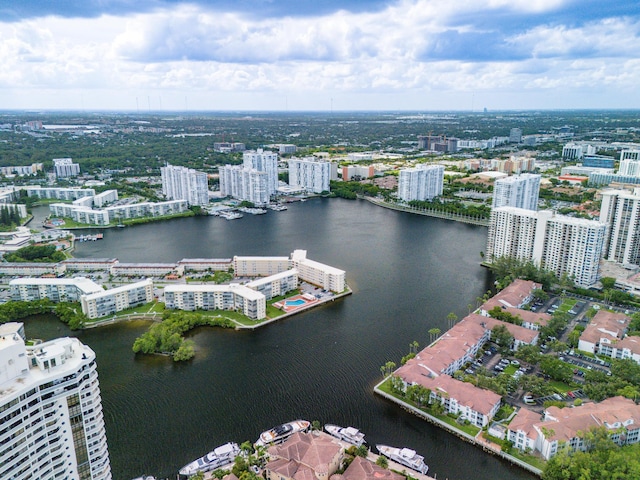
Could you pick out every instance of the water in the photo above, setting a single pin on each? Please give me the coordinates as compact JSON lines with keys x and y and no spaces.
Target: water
{"x":407,"y":272}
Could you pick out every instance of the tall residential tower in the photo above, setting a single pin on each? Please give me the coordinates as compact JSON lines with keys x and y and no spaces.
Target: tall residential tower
{"x":51,"y":420}
{"x":424,"y":182}
{"x":520,"y":191}
{"x":182,"y":183}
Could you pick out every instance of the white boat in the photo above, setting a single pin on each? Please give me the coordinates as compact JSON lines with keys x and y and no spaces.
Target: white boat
{"x":404,"y":456}
{"x":280,"y":433}
{"x":348,"y":434}
{"x":228,"y":215}
{"x":221,"y":456}
{"x":145,"y":477}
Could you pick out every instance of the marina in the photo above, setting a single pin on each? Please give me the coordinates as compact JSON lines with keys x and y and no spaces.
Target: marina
{"x":89,"y":238}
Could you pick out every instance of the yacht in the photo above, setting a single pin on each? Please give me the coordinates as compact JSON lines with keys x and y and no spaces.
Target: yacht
{"x":348,"y":434}
{"x":217,"y":458}
{"x":280,"y":433}
{"x":404,"y":456}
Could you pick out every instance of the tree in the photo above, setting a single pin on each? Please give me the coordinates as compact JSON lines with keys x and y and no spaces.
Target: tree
{"x":382,"y":461}
{"x":413,"y":347}
{"x":362,"y":451}
{"x":433,"y":334}
{"x":608,"y":282}
{"x":502,"y":337}
{"x":452,"y":318}
{"x":387,"y":368}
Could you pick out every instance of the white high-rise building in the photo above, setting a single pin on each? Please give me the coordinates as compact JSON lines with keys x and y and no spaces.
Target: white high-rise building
{"x":572,"y":151}
{"x":244,"y":184}
{"x":564,"y":245}
{"x":629,"y":163}
{"x":519,"y":191}
{"x":423,"y":182}
{"x":51,"y":420}
{"x":310,"y":173}
{"x":64,"y":168}
{"x":266,"y":162}
{"x":620,"y":210}
{"x":182,"y":183}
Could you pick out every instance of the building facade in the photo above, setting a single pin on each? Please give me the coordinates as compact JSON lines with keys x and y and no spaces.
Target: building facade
{"x":310,"y":173}
{"x":64,"y":168}
{"x":519,"y":191}
{"x":629,"y":163}
{"x":181,"y":183}
{"x":263,"y":161}
{"x":55,"y":289}
{"x":621,"y":211}
{"x":245,"y":184}
{"x":107,"y":302}
{"x":51,"y":420}
{"x":564,"y":245}
{"x":424,"y":182}
{"x":249,"y":302}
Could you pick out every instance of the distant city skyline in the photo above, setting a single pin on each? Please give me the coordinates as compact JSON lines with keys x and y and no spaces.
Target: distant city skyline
{"x":257,"y":55}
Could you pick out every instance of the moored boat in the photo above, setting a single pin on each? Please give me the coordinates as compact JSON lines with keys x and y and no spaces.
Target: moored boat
{"x":280,"y":433}
{"x":348,"y":434}
{"x":217,"y":458}
{"x":404,"y":456}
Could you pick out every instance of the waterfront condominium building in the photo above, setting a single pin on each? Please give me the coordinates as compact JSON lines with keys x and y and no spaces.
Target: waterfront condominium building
{"x":216,"y":297}
{"x":564,"y":245}
{"x":423,"y":182}
{"x":629,"y":163}
{"x":64,"y":167}
{"x":266,"y":162}
{"x":107,"y":302}
{"x":55,"y":289}
{"x":519,"y":191}
{"x":60,"y":193}
{"x":621,"y":211}
{"x":316,"y":273}
{"x":244,"y":184}
{"x":310,"y":173}
{"x":51,"y":420}
{"x":181,"y":183}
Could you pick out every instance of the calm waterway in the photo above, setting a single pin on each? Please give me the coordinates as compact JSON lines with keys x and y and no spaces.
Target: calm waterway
{"x":407,"y":273}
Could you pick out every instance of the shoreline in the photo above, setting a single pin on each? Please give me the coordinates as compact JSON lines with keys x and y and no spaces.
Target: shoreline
{"x":485,"y":445}
{"x":238,"y":326}
{"x":429,"y":213}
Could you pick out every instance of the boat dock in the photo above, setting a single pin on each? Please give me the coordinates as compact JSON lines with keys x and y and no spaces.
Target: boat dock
{"x":373,"y":457}
{"x":89,"y":238}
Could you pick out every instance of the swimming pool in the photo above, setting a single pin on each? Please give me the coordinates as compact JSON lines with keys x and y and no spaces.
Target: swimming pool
{"x":294,"y":303}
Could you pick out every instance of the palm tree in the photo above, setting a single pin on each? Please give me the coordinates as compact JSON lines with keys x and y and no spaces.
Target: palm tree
{"x":433,"y":334}
{"x":452,"y":318}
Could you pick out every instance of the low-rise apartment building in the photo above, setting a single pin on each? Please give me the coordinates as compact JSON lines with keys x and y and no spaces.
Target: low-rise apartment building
{"x":107,"y":302}
{"x":216,"y":297}
{"x":55,"y":289}
{"x":275,"y":285}
{"x":566,"y":427}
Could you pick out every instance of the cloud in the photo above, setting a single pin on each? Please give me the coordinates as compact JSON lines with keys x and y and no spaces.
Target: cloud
{"x":397,"y":50}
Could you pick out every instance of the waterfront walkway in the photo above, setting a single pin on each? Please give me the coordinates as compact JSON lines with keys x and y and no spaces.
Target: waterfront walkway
{"x":430,"y":213}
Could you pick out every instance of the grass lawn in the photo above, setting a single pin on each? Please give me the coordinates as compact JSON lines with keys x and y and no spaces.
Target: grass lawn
{"x":560,"y":387}
{"x":510,"y":370}
{"x":530,"y":459}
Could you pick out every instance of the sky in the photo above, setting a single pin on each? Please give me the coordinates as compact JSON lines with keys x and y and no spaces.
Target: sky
{"x":324,"y":55}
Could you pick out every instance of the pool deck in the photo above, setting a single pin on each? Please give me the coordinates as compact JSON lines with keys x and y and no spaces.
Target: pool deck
{"x":300,"y":309}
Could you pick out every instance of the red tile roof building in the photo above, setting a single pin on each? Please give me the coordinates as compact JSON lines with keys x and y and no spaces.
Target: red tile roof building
{"x":304,"y":456}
